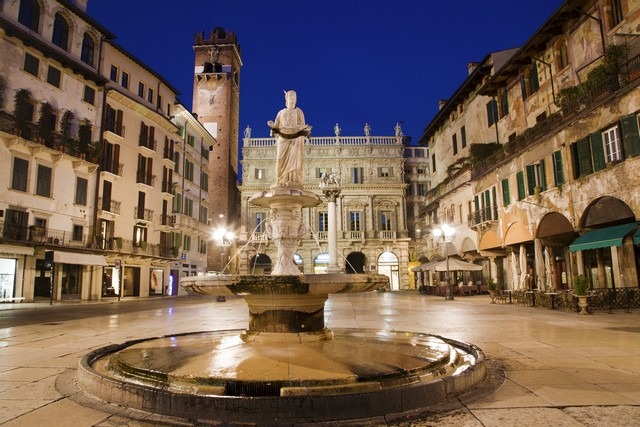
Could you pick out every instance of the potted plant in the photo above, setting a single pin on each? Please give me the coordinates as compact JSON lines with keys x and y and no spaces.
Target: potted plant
{"x":46,"y":124}
{"x":492,"y":286}
{"x":580,"y":289}
{"x":66,"y":125}
{"x":22,"y":111}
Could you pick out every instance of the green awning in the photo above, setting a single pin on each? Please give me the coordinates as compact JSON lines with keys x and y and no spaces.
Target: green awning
{"x":636,"y":238}
{"x":602,"y":237}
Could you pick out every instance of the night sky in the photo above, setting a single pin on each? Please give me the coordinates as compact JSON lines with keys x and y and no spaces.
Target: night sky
{"x":351,"y":61}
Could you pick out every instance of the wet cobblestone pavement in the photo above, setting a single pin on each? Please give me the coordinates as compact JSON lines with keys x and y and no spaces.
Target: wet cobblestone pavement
{"x":547,"y":367}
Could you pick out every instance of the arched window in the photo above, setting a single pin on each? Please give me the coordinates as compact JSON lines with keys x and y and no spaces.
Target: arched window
{"x":616,"y":15}
{"x":88,"y":49}
{"x":29,"y":14}
{"x":60,"y":32}
{"x":563,"y":59}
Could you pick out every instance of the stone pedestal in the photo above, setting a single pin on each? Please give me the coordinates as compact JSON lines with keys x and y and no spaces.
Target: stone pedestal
{"x":285,"y":226}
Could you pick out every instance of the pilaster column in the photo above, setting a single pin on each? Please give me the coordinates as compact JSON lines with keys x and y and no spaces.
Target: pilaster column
{"x":332,"y":195}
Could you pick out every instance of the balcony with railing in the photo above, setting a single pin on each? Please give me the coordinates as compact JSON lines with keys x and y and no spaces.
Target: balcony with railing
{"x":113,"y":168}
{"x":322,"y":235}
{"x":186,"y":222}
{"x":107,"y":205}
{"x":167,"y":220}
{"x":387,"y":235}
{"x":141,"y":248}
{"x":41,"y":236}
{"x":332,"y":140}
{"x":167,"y":187}
{"x":145,"y":178}
{"x":258,"y":237}
{"x":148,"y":143}
{"x":354,"y":235}
{"x":483,"y":216}
{"x":143,"y":214}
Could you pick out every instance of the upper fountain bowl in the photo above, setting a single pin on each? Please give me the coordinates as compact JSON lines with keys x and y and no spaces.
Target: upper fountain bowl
{"x":305,"y":284}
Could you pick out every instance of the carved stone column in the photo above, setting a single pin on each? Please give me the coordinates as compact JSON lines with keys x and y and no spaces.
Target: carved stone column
{"x":332,"y":194}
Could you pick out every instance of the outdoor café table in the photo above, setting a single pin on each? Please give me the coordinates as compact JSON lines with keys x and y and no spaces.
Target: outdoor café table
{"x":553,"y":296}
{"x":533,"y":297}
{"x":510,"y":292}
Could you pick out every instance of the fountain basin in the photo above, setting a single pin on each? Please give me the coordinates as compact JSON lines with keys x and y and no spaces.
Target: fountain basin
{"x":217,"y":376}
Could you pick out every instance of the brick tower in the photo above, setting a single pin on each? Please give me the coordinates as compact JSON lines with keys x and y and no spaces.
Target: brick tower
{"x":216,"y":101}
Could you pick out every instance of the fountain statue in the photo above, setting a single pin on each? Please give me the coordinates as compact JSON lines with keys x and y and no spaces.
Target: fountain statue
{"x":286,"y":367}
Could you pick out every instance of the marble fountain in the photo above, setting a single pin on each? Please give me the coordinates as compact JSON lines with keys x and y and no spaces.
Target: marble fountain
{"x":286,"y":367}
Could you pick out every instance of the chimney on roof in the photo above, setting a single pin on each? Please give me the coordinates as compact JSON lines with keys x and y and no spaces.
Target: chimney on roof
{"x":442,"y":103}
{"x":472,"y":66}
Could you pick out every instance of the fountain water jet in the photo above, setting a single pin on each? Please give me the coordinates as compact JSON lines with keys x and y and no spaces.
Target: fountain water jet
{"x":286,"y":367}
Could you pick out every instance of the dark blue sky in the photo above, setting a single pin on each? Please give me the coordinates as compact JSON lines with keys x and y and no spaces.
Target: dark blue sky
{"x":351,"y":61}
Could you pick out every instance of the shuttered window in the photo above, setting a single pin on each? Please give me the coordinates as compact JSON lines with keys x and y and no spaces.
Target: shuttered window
{"x":630,"y":137}
{"x":520,"y":181}
{"x":506,"y":198}
{"x":558,"y":168}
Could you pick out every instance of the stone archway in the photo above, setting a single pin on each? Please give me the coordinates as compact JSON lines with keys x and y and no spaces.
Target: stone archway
{"x":553,"y":236}
{"x":356,"y":263}
{"x":602,"y":256}
{"x":260,"y":265}
{"x":605,"y":211}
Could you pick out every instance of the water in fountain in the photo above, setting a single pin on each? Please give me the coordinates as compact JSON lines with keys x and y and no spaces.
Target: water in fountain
{"x":286,"y":366}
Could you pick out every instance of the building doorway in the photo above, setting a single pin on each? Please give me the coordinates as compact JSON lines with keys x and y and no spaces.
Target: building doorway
{"x":71,"y":281}
{"x":388,"y":265}
{"x":7,"y":278}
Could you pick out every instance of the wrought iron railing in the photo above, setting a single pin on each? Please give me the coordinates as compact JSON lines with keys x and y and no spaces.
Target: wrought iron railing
{"x":614,"y":298}
{"x":33,"y":235}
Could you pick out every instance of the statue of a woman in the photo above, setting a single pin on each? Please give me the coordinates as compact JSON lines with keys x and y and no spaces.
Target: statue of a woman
{"x":290,"y":131}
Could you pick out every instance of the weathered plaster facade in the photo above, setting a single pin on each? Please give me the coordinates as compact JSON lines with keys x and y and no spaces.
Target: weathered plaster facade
{"x":566,"y":166}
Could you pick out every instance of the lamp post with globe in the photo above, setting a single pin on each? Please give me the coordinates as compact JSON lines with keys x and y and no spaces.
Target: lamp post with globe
{"x":444,"y":235}
{"x":223,"y":238}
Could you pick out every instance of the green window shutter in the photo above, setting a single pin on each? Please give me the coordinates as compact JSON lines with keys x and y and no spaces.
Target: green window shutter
{"x":531,"y":179}
{"x":558,"y":168}
{"x":494,"y":206}
{"x":534,"y":84}
{"x":505,"y":103}
{"x":597,"y":150}
{"x":583,"y":150}
{"x":630,"y":136}
{"x":520,"y":180}
{"x":506,"y":198}
{"x":523,"y":86}
{"x":476,"y":203}
{"x":543,"y":177}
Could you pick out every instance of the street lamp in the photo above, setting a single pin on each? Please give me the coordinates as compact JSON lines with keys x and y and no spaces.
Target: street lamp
{"x":444,"y":235}
{"x":223,"y":239}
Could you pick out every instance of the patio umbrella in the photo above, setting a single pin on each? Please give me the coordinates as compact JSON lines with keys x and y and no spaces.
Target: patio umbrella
{"x":523,"y":267}
{"x":457,"y":265}
{"x":425,"y":267}
{"x":547,"y":267}
{"x":514,"y":271}
{"x":537,"y":244}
